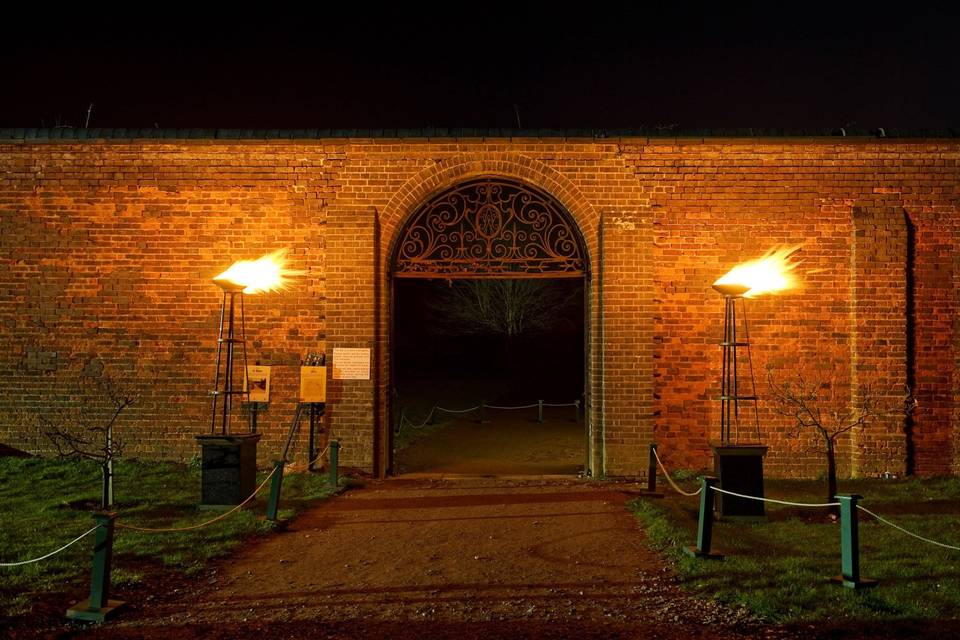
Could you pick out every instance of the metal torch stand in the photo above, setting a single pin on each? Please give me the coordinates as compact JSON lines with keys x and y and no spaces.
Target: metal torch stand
{"x":229,"y":461}
{"x":738,"y":465}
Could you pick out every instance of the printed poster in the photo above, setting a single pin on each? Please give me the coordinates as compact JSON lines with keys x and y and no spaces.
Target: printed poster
{"x":351,"y":364}
{"x":257,"y":383}
{"x":313,"y":384}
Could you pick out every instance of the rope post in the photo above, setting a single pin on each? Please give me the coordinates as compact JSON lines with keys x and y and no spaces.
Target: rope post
{"x":99,"y":606}
{"x":273,"y":504}
{"x":311,"y":446}
{"x":705,"y":523}
{"x":334,"y":461}
{"x":539,"y":410}
{"x":576,"y":411}
{"x":652,"y":469}
{"x":850,"y":545}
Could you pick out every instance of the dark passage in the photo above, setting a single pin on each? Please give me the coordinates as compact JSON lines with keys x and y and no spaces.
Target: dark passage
{"x":459,"y":343}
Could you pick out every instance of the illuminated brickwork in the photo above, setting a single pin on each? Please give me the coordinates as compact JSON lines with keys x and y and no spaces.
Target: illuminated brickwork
{"x":108,"y":248}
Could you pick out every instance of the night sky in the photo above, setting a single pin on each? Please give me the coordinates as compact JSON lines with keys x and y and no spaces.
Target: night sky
{"x":480,"y":65}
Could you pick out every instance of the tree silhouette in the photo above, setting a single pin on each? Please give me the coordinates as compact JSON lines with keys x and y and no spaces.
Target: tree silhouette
{"x":508,"y":308}
{"x":815,"y":406}
{"x":86,"y":430}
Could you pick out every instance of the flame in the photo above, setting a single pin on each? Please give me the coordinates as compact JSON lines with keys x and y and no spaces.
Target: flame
{"x":770,"y":273}
{"x":267,"y":273}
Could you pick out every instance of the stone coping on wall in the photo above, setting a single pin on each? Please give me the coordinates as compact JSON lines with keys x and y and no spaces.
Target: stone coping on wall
{"x":22,"y":134}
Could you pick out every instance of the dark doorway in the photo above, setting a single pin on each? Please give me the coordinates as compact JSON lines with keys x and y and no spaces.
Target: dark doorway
{"x":505,"y":345}
{"x":488,"y":333}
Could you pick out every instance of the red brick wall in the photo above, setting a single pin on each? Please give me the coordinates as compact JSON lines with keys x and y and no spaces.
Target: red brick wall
{"x":108,"y":249}
{"x":351,"y":321}
{"x":935,"y":316}
{"x":719,"y":202}
{"x":879,"y":341}
{"x":108,"y":252}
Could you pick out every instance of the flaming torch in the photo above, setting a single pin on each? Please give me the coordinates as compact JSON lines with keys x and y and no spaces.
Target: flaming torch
{"x":229,"y":461}
{"x":738,"y":458}
{"x":265,"y":274}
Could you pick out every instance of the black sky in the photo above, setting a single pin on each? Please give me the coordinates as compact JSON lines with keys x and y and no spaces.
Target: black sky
{"x":467,"y":65}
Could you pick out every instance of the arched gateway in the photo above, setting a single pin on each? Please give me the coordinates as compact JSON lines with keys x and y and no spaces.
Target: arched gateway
{"x":491,"y":227}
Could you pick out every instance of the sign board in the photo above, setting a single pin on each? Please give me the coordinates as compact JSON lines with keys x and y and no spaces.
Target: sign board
{"x":313,"y":384}
{"x":257,"y":383}
{"x":351,"y":364}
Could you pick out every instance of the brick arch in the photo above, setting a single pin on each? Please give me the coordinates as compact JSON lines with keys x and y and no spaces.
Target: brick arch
{"x":440,"y":177}
{"x":448,"y":172}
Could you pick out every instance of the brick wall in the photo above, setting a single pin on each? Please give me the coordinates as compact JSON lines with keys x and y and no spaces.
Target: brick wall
{"x":351,"y":321}
{"x":109,"y":247}
{"x":879,"y":340}
{"x":935,"y":315}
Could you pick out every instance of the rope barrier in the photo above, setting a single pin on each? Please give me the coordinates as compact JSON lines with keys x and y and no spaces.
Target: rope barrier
{"x":405,"y":420}
{"x":909,"y":533}
{"x":526,"y":406}
{"x":792,"y":504}
{"x":670,"y":480}
{"x":426,"y":421}
{"x":306,"y":465}
{"x":458,"y":410}
{"x":52,"y":553}
{"x":202,"y":524}
{"x":490,"y":406}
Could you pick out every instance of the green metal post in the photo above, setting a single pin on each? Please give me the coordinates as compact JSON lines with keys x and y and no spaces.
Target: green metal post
{"x":334,"y":461}
{"x":311,"y":444}
{"x":652,"y":469}
{"x":539,"y":410}
{"x":705,"y":523}
{"x":99,"y":605}
{"x":273,"y":504}
{"x":850,"y":545}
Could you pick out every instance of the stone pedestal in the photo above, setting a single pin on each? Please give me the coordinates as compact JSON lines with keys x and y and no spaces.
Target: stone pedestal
{"x":739,"y":468}
{"x":229,"y":469}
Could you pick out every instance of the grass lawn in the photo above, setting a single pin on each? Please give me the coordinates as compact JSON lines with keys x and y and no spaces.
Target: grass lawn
{"x":780,"y":568}
{"x":46,"y":503}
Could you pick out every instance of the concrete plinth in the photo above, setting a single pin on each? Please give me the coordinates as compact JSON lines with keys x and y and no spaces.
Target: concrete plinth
{"x":228,"y":469}
{"x":739,"y":468}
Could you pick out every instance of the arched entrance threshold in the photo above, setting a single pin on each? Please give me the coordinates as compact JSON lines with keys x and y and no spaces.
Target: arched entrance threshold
{"x":487,"y":236}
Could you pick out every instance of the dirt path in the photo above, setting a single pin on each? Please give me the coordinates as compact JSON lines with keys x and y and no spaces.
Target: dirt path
{"x":510,"y":443}
{"x":480,"y":558}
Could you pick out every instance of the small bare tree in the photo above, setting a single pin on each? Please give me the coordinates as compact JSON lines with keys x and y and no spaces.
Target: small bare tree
{"x":503,"y":307}
{"x":814,"y":406}
{"x":87,"y":430}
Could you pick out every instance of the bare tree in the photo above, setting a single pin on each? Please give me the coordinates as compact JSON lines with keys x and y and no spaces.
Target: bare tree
{"x":503,"y":307}
{"x":86,"y":430}
{"x":814,"y":406}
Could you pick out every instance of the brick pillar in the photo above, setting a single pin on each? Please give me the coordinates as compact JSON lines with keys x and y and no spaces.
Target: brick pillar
{"x":627,"y":343}
{"x":955,"y":413}
{"x":879,"y":333}
{"x":351,"y":250}
{"x":934,"y":363}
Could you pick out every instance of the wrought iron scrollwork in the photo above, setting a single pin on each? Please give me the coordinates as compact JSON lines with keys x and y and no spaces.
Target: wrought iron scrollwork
{"x":489,"y":228}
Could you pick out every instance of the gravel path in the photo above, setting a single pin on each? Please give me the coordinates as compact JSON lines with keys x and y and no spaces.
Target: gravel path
{"x":429,"y":558}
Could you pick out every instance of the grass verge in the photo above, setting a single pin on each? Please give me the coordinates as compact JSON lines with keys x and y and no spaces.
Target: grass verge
{"x":780,"y":568}
{"x":45,"y":503}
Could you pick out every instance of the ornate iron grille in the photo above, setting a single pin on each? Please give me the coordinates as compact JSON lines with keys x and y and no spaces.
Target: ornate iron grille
{"x":490,"y":228}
